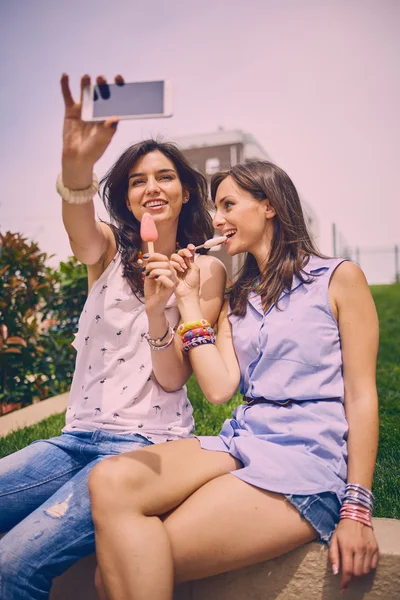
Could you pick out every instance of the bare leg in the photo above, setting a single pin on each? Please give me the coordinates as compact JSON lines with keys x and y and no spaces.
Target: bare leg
{"x":128,"y":493}
{"x":98,"y":582}
{"x":228,"y":524}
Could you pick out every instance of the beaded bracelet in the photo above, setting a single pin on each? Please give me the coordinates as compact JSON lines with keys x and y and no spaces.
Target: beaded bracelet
{"x":199,"y":341}
{"x":156,"y":341}
{"x":184,"y":327}
{"x":199,"y":331}
{"x":153,"y":346}
{"x":77,"y":196}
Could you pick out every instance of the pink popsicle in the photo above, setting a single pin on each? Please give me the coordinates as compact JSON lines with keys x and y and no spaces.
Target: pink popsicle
{"x":148,"y":231}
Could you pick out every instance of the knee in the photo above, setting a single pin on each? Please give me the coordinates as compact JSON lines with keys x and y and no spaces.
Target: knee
{"x":105,"y":483}
{"x":115,"y":485}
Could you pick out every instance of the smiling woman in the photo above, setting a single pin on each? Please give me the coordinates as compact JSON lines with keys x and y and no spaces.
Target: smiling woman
{"x":128,"y":386}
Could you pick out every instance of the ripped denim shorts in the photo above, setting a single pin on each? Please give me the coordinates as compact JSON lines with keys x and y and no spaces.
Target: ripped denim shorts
{"x":322,"y":511}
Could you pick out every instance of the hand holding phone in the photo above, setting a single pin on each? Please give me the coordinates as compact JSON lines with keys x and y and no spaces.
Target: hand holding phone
{"x":135,"y":100}
{"x":83,"y":143}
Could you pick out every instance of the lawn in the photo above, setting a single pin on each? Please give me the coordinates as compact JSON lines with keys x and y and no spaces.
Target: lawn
{"x":209,"y":417}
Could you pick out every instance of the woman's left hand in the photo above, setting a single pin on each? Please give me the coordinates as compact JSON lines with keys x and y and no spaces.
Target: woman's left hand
{"x":160,"y":281}
{"x":353,"y":551}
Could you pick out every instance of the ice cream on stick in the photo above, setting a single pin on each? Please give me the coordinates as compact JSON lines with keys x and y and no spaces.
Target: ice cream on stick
{"x":148,"y":231}
{"x":216,"y":241}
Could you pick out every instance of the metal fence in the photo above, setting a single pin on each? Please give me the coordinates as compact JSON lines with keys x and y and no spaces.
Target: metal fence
{"x":380,"y":264}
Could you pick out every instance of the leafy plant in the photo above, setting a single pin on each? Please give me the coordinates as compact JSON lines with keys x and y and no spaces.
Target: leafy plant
{"x":25,"y":283}
{"x":39,"y":312}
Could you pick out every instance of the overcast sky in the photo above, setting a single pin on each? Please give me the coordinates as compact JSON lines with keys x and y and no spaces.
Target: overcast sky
{"x":315,"y":81}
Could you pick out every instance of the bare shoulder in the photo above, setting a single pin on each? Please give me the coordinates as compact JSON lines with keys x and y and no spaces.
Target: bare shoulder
{"x":349,"y":291}
{"x":348,"y":275}
{"x":211,"y":267}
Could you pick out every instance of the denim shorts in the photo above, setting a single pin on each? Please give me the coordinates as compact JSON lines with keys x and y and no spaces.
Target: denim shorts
{"x":322,"y":511}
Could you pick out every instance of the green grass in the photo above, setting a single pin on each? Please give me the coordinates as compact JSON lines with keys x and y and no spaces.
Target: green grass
{"x":209,"y":418}
{"x":22,"y":437}
{"x":387,"y":474}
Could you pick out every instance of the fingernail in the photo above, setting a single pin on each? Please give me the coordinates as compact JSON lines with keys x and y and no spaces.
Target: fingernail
{"x":156,"y":277}
{"x":145,"y":255}
{"x":335,"y":570}
{"x":147,"y":274}
{"x":143,"y":269}
{"x":114,"y":125}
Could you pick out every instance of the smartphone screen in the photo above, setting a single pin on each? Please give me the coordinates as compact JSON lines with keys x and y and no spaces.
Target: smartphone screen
{"x":135,"y":99}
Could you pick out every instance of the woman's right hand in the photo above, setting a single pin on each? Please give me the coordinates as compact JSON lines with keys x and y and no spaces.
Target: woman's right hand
{"x":83,"y":143}
{"x":188,"y":273}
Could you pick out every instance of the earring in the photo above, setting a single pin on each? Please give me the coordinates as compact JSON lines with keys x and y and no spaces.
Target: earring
{"x":185,"y":200}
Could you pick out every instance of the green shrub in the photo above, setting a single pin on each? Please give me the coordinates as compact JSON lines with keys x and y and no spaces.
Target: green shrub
{"x":39,"y":312}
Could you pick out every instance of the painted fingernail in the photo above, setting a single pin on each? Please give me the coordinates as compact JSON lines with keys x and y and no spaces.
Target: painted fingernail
{"x":145,"y":255}
{"x":335,"y":570}
{"x":156,"y":277}
{"x":146,"y":274}
{"x":143,"y":269}
{"x":114,"y":125}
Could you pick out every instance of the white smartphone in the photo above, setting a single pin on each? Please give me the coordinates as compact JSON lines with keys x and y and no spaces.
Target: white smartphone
{"x":136,"y":100}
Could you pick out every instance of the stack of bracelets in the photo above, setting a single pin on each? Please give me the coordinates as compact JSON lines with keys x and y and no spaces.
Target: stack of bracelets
{"x":357,"y":504}
{"x":196,"y":333}
{"x":157,"y":344}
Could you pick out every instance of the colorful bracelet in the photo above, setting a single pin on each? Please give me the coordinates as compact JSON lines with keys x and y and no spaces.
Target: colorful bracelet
{"x":354,"y":517}
{"x":184,"y":327}
{"x":199,"y":331}
{"x":200,"y":341}
{"x":357,"y":504}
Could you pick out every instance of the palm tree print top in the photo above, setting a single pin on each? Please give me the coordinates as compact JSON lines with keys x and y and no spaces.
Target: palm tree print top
{"x":113,"y":388}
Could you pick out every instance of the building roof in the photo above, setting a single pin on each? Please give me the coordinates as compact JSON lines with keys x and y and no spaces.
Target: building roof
{"x":252,"y":148}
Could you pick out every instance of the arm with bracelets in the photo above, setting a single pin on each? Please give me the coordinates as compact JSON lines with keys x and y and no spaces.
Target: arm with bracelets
{"x":212,"y":357}
{"x":353,"y":549}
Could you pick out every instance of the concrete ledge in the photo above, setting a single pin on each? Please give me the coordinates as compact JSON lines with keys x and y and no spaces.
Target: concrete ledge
{"x":32,"y":414}
{"x":303,"y":574}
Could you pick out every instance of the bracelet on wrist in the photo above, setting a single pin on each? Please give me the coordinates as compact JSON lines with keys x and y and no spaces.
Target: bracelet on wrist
{"x":184,"y":327}
{"x":156,"y":341}
{"x":77,"y":196}
{"x":163,"y":346}
{"x":198,"y":341}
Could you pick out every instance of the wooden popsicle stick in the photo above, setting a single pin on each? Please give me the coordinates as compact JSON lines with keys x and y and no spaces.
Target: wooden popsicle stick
{"x":150,"y":247}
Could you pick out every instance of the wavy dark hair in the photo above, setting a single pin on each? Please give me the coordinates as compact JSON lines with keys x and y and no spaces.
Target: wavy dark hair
{"x":194,"y":225}
{"x":291,"y":242}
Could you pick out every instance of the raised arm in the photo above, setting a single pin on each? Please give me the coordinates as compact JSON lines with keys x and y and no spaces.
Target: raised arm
{"x":353,"y":546}
{"x":83,"y":144}
{"x":171,"y":366}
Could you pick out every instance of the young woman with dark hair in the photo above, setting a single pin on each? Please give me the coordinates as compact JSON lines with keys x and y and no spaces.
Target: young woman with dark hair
{"x":299,"y":336}
{"x":128,"y":386}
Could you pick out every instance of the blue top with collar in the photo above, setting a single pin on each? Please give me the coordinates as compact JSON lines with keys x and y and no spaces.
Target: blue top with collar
{"x":290,"y":353}
{"x":293,"y":351}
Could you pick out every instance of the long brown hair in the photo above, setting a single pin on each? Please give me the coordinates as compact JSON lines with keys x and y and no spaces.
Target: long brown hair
{"x":291,"y":244}
{"x":194,"y":225}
